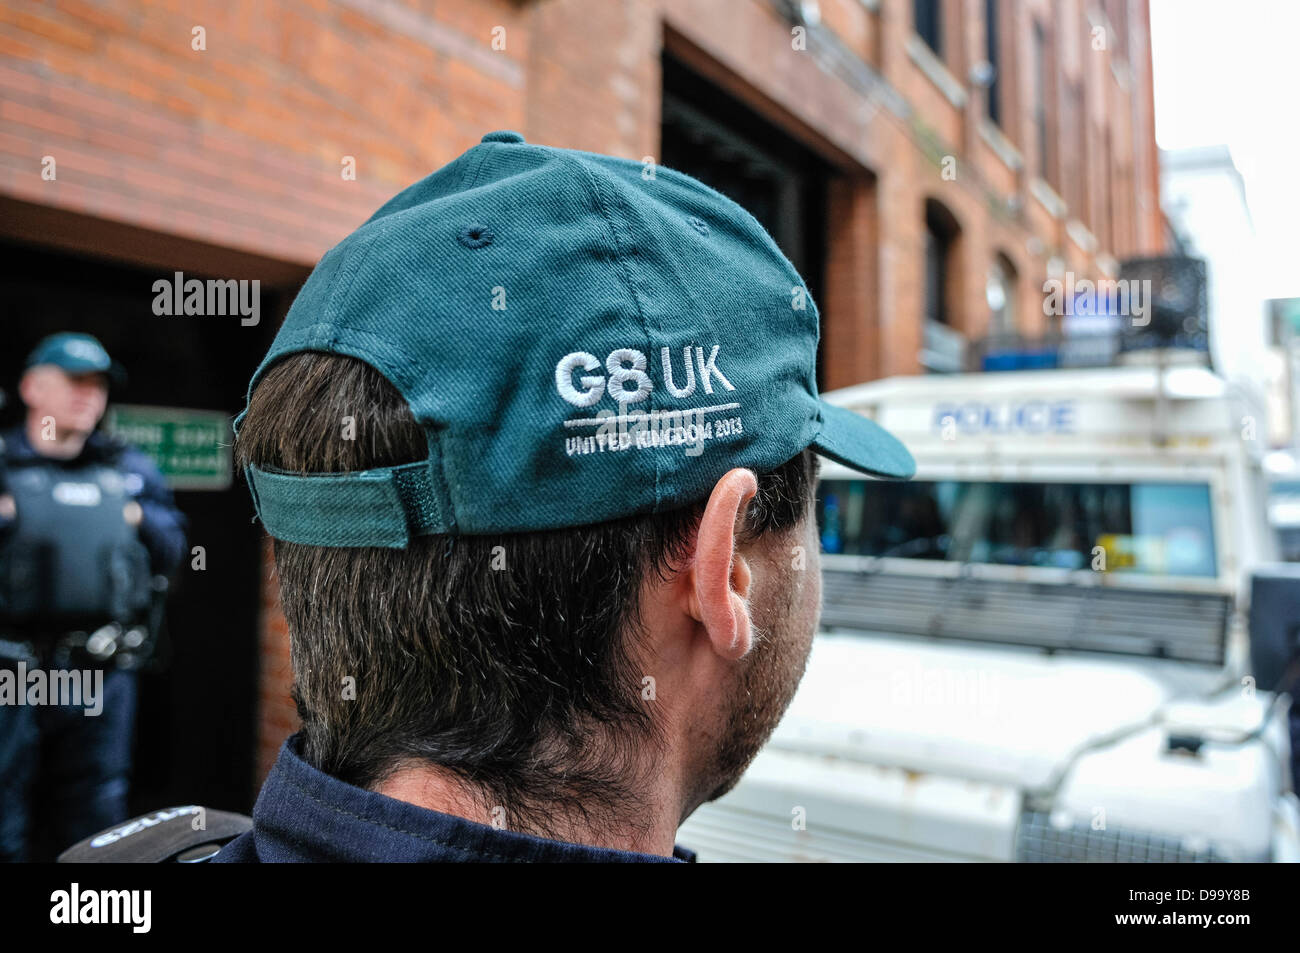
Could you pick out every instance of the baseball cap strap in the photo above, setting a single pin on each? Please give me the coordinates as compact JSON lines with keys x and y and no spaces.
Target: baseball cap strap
{"x":381,"y":507}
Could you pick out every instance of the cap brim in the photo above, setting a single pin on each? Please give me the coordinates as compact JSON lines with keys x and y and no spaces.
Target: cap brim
{"x":861,"y":443}
{"x":115,"y":373}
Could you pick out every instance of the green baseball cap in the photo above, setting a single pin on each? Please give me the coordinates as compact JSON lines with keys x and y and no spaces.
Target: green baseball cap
{"x":582,"y":337}
{"x":76,"y":354}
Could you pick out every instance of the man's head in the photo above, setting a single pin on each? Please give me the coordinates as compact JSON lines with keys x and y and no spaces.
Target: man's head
{"x":540,"y":668}
{"x":76,"y":402}
{"x":537,"y":444}
{"x":67,"y":380}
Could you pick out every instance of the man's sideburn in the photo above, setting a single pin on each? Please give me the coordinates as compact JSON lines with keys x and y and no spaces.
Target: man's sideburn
{"x":785,"y":620}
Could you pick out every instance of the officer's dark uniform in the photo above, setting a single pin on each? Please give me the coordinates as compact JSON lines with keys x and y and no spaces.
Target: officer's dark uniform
{"x":58,"y":767}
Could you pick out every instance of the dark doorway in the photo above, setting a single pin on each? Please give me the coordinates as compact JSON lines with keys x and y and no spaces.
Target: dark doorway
{"x":195,"y":735}
{"x":941,"y":232}
{"x":714,"y":137}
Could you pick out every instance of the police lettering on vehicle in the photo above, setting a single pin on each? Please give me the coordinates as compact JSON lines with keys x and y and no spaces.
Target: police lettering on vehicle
{"x":1030,"y":417}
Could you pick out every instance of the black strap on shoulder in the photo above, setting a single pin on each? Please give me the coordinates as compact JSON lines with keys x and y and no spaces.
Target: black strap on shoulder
{"x":184,"y":834}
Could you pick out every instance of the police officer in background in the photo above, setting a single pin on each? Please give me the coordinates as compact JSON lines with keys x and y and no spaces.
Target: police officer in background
{"x":89,"y":532}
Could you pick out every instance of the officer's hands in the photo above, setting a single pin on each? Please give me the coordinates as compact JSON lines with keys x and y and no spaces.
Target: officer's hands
{"x":7,"y":508}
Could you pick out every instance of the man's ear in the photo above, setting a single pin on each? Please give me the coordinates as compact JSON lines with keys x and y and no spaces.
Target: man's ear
{"x":720,"y":578}
{"x":28,"y":386}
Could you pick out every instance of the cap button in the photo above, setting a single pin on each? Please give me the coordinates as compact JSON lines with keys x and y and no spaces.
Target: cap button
{"x":503,"y":135}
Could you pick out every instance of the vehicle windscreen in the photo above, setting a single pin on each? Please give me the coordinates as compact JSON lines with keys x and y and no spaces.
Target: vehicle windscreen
{"x":1151,"y":528}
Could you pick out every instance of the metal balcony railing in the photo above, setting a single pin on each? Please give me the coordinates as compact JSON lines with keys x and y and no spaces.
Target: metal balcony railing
{"x":1156,"y":304}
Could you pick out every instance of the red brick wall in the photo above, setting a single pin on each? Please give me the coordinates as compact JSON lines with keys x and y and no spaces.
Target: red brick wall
{"x":241,"y":144}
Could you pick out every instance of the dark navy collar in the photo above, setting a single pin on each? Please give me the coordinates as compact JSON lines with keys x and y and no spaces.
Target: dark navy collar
{"x":304,"y":814}
{"x":16,"y":445}
{"x":18,"y":449}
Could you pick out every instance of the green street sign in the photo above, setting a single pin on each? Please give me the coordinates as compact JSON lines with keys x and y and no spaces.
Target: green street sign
{"x":190,"y":447}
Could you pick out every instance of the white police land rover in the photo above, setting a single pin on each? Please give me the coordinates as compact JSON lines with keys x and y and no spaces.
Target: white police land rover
{"x":1038,"y":649}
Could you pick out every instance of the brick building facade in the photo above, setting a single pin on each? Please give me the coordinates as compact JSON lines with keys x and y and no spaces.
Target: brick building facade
{"x":926,"y":163}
